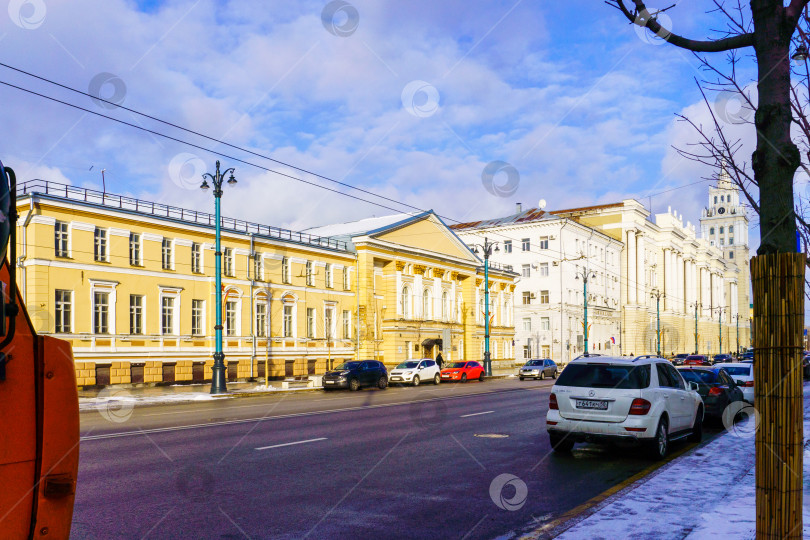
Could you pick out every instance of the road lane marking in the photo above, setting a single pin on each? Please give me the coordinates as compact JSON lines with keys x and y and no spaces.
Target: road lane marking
{"x":476,"y":414}
{"x":291,"y":415}
{"x":291,"y":443}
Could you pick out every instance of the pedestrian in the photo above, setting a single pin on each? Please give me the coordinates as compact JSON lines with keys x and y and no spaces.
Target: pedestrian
{"x":439,"y":361}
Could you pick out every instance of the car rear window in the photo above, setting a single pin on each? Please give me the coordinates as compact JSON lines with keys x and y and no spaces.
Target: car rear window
{"x":695,"y":357}
{"x":738,"y":370}
{"x":698,"y":376}
{"x":605,"y":376}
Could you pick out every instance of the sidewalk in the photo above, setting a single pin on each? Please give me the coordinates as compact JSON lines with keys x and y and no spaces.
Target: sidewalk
{"x":708,"y":493}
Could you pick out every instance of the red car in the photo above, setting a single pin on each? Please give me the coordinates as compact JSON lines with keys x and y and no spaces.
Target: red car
{"x":697,"y":360}
{"x":463,"y":371}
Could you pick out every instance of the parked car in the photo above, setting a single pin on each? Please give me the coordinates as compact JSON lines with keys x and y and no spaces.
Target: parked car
{"x":722,"y":359}
{"x":463,"y":371}
{"x":538,"y":369}
{"x":715,"y":387}
{"x":743,"y":376}
{"x":415,"y":371}
{"x":356,"y":374}
{"x":678,"y":359}
{"x":806,"y":366}
{"x":634,"y":401}
{"x":697,"y":360}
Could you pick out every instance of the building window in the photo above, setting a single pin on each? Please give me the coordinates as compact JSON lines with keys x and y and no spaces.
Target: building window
{"x":731,"y":229}
{"x":730,"y":240}
{"x":543,"y":269}
{"x":426,"y":304}
{"x":721,"y":230}
{"x":261,"y":319}
{"x":544,"y":297}
{"x":167,"y":315}
{"x":328,"y":275}
{"x":287,"y":328}
{"x":526,"y":270}
{"x":310,"y":274}
{"x":258,"y":269}
{"x":101,"y":313}
{"x":722,"y":241}
{"x":62,"y":311}
{"x":527,"y":352}
{"x":135,"y":249}
{"x":310,"y":322}
{"x":545,"y":323}
{"x":445,"y":305}
{"x":285,"y":270}
{"x":527,"y":324}
{"x":346,"y":284}
{"x":135,"y":314}
{"x":100,"y":245}
{"x":60,"y":239}
{"x":167,"y":254}
{"x":730,"y":254}
{"x":715,"y":199}
{"x":526,"y":244}
{"x":197,"y":311}
{"x":722,"y":198}
{"x":405,"y":303}
{"x":711,"y":230}
{"x":507,"y":246}
{"x":229,"y":261}
{"x":230,"y":318}
{"x":527,"y":298}
{"x":347,"y":317}
{"x":544,"y":242}
{"x":196,"y":258}
{"x":328,"y":321}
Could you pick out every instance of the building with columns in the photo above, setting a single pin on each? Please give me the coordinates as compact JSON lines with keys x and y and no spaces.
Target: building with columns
{"x":552,"y":255}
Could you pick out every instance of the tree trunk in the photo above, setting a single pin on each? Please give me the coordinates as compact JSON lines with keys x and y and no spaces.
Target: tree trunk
{"x":778,"y":281}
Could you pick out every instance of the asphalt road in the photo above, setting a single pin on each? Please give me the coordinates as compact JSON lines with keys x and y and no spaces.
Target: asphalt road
{"x":401,"y":463}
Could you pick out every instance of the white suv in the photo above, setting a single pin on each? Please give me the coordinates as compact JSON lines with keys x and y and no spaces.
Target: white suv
{"x":642,"y":400}
{"x":416,"y":371}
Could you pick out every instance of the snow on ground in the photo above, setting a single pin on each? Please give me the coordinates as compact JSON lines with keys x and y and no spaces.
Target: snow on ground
{"x":706,"y":494}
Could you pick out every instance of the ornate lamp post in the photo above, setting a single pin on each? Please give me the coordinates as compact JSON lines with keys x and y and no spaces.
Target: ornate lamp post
{"x":697,"y":306}
{"x":584,"y":275}
{"x":719,"y":310}
{"x":487,"y":249}
{"x":218,"y":377}
{"x":657,"y":295}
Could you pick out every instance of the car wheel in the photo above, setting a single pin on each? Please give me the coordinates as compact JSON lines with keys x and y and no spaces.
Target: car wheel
{"x":542,"y":375}
{"x":437,"y":379}
{"x":560,"y":444}
{"x":697,"y":428}
{"x":463,"y":377}
{"x":554,"y":374}
{"x":481,"y":377}
{"x":382,"y":384}
{"x":660,"y":444}
{"x":354,"y":385}
{"x":415,"y":380}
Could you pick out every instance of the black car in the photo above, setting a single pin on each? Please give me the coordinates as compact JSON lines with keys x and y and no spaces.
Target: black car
{"x":678,"y":359}
{"x":806,"y":366}
{"x":722,"y":359}
{"x":715,"y":386}
{"x":356,"y":374}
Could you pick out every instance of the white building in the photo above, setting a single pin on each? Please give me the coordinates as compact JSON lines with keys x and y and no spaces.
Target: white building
{"x":553,"y":254}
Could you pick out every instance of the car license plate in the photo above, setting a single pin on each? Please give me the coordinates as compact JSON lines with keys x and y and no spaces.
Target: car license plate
{"x":328,"y":382}
{"x":592,"y":404}
{"x":396,"y":378}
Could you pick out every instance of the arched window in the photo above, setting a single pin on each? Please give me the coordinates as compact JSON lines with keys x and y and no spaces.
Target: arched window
{"x":405,"y":302}
{"x":426,"y":304}
{"x":445,"y":306}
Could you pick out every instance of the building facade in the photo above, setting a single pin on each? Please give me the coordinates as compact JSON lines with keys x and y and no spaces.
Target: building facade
{"x":554,"y":256}
{"x":131,"y":284}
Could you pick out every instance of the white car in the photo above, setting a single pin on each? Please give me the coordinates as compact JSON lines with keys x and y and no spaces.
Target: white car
{"x":632,"y":401}
{"x":743,"y":375}
{"x":416,"y":371}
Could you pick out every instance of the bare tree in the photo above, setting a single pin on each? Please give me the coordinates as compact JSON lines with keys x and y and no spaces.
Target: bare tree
{"x":778,"y":271}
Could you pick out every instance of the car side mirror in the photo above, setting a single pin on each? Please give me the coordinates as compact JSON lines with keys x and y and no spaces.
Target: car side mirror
{"x":693,"y":386}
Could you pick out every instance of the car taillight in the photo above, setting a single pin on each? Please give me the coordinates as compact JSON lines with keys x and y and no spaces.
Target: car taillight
{"x":549,"y":422}
{"x":552,"y":402}
{"x":748,"y":384}
{"x":715,"y":391}
{"x":640,"y":406}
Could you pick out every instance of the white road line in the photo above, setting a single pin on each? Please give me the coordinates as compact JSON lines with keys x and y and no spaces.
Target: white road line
{"x":475,"y":414}
{"x":291,"y":443}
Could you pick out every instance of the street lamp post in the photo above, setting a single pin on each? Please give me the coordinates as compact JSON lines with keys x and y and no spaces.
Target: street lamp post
{"x":584,"y":275}
{"x":658,"y":295}
{"x":737,"y":317}
{"x":720,"y":328}
{"x":697,"y":306}
{"x":487,"y":249}
{"x":218,"y":376}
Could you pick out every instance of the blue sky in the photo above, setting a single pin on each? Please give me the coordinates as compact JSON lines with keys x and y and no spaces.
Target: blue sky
{"x":411,"y":103}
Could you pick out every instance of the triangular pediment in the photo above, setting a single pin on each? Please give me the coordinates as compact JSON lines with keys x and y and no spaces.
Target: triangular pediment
{"x":426,"y":232}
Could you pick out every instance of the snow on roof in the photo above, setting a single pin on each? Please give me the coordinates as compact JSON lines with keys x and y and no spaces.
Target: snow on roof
{"x":359,"y":227}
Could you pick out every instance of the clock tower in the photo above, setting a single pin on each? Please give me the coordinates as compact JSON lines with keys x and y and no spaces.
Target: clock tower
{"x":724,"y":225}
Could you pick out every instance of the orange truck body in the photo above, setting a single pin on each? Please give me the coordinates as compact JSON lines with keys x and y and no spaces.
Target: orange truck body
{"x":39,"y":433}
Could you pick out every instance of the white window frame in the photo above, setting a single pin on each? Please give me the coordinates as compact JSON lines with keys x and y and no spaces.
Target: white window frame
{"x":142,"y":314}
{"x":202,"y":317}
{"x":169,"y":292}
{"x":138,"y":245}
{"x":108,"y":287}
{"x":60,"y":235}
{"x":196,"y":258}
{"x":99,"y":242}
{"x":71,"y":314}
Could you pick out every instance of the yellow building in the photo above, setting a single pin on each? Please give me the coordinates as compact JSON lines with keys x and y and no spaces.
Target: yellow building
{"x":131,"y":285}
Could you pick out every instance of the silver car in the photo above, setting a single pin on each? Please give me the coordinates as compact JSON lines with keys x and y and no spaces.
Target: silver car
{"x":538,"y":369}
